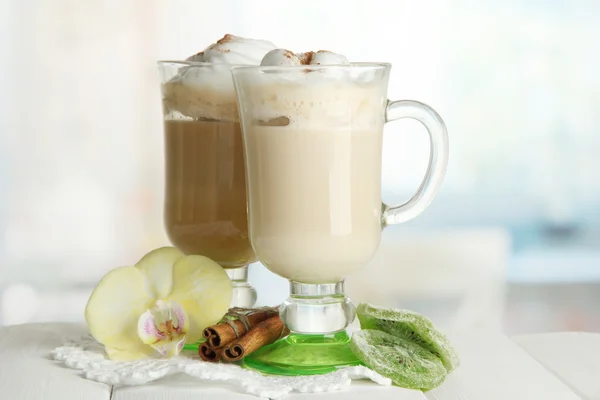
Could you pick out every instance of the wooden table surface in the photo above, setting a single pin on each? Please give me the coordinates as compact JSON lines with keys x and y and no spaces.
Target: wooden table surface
{"x":553,"y":366}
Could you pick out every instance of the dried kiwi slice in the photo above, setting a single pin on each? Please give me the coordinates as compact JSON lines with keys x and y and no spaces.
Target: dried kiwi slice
{"x":412,"y":327}
{"x":407,"y":364}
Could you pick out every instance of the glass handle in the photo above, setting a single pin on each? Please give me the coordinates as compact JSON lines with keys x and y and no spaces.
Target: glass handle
{"x":438,"y":159}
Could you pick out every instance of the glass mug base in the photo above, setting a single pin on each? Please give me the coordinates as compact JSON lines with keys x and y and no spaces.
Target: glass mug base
{"x":301,"y":354}
{"x":317,"y":315}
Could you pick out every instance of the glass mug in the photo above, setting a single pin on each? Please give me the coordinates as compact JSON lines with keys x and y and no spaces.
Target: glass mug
{"x":313,"y":147}
{"x":205,"y":209}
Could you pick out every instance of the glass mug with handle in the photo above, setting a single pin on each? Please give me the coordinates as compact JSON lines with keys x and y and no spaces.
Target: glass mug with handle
{"x":313,"y":148}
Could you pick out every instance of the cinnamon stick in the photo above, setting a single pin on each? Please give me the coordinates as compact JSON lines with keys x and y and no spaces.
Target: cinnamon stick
{"x":262,"y":334}
{"x":209,"y":354}
{"x":226,"y":332}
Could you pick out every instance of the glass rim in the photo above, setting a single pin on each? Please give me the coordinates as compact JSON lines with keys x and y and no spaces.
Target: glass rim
{"x":353,"y":65}
{"x":317,"y":67}
{"x":198,"y":63}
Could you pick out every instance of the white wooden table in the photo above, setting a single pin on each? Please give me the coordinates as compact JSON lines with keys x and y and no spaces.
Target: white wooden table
{"x":555,"y":366}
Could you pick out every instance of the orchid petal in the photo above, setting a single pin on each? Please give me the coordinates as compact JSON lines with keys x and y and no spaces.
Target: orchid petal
{"x":157,"y":266}
{"x":203,"y":289}
{"x":113,"y":310}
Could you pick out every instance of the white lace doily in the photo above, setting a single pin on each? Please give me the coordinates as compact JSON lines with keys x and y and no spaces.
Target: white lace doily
{"x":87,"y":355}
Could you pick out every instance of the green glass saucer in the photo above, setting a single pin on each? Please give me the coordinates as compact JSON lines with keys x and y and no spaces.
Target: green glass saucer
{"x":194,"y":346}
{"x":300,"y":354}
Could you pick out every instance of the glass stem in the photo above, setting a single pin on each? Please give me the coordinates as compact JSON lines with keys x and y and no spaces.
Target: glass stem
{"x":244,"y":294}
{"x":317,"y":308}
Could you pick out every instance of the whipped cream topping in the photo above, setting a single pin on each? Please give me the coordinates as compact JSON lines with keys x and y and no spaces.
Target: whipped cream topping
{"x":283,"y":57}
{"x":206,"y":90}
{"x":231,"y":49}
{"x":280,"y":57}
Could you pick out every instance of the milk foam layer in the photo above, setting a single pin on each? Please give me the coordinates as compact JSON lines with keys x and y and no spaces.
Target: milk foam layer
{"x":201,"y":92}
{"x":203,"y":89}
{"x":315,"y":99}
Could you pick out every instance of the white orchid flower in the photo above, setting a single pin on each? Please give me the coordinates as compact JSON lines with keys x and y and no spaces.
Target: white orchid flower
{"x":158,"y":305}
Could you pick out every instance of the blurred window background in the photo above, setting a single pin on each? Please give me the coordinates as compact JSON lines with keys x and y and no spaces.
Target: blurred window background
{"x":517,"y":83}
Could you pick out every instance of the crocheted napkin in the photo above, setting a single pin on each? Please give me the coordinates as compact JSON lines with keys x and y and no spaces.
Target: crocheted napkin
{"x":87,"y":355}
